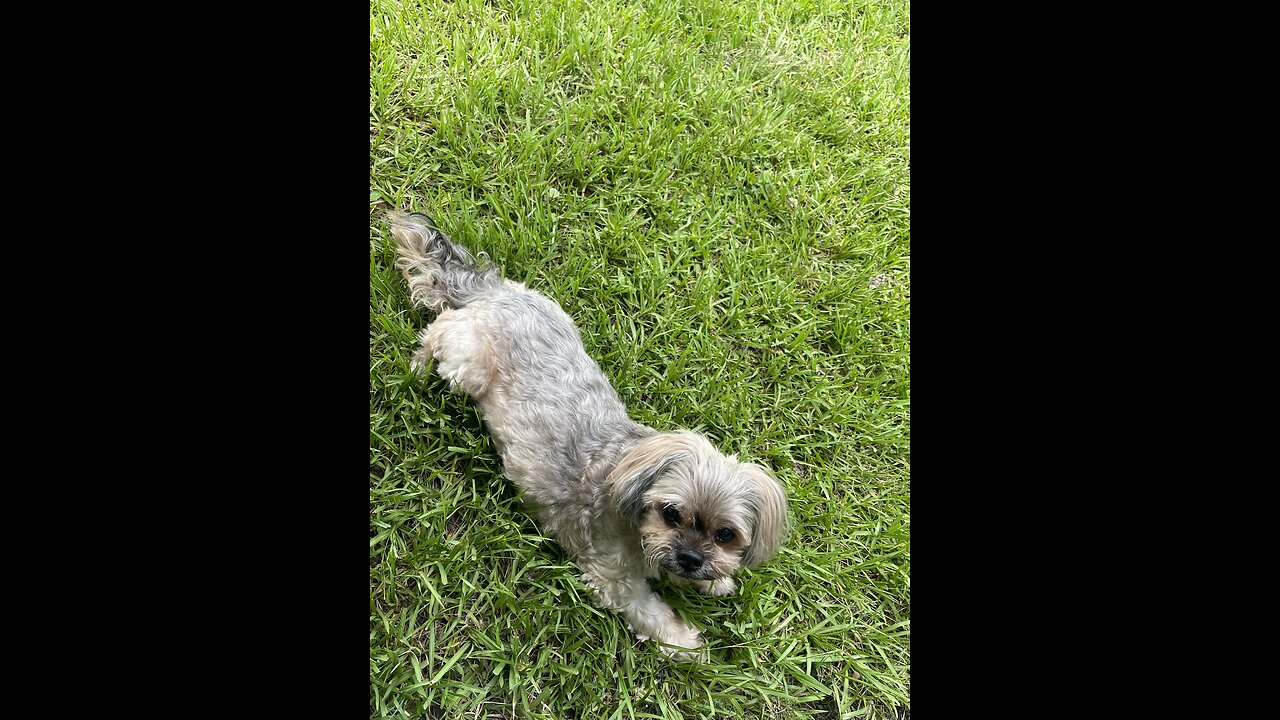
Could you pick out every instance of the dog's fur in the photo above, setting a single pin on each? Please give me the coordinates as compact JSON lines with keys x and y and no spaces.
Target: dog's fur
{"x":627,"y":501}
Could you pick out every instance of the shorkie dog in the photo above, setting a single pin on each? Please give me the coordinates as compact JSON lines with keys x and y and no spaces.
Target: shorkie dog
{"x":627,"y":501}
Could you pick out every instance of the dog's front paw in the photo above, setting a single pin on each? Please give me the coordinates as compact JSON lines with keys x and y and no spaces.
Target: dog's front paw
{"x":720,"y":587}
{"x":681,"y":642}
{"x":688,"y":656}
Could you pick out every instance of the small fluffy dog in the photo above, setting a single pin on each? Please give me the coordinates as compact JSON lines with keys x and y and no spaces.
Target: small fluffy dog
{"x":627,"y":501}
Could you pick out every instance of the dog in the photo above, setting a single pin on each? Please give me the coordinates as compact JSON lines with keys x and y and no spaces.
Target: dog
{"x":626,"y":501}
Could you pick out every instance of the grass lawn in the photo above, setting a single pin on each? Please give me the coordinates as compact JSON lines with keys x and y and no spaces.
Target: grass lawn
{"x":718,"y":192}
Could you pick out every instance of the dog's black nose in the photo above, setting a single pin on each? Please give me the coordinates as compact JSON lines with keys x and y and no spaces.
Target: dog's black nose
{"x":690,"y":560}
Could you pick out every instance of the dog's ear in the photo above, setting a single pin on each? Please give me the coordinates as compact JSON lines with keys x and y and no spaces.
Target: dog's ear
{"x":769,"y":502}
{"x":637,"y":471}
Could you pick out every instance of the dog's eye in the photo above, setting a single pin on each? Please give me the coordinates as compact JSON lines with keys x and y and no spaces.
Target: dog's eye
{"x":724,"y":535}
{"x":671,"y":515}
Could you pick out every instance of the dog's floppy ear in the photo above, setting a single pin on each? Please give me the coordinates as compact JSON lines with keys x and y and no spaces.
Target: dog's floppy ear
{"x":637,"y":471}
{"x":769,"y":502}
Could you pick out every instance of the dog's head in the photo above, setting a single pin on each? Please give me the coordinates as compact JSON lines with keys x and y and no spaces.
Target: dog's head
{"x":701,"y":514}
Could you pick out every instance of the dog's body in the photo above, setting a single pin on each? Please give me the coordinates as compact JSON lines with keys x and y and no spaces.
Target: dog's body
{"x":624,"y":499}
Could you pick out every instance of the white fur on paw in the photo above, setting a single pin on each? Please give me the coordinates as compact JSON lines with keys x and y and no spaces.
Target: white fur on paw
{"x":690,"y":655}
{"x":419,"y":361}
{"x":687,"y":644}
{"x":721,"y":587}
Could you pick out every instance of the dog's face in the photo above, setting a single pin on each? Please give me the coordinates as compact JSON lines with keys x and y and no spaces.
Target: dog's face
{"x":701,"y":515}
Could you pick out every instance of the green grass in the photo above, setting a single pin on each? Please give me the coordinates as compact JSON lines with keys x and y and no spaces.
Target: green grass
{"x":718,"y":192}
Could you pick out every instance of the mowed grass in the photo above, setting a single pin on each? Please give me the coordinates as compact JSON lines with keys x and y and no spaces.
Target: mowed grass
{"x":718,"y":192}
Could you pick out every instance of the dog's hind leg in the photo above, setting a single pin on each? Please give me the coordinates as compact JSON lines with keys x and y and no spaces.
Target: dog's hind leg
{"x":462,"y":350}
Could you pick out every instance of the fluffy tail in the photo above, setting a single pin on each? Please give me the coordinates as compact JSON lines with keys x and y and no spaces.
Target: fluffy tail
{"x":441,"y":273}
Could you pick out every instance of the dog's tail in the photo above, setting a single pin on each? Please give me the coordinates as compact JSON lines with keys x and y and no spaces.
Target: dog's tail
{"x":441,"y":273}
